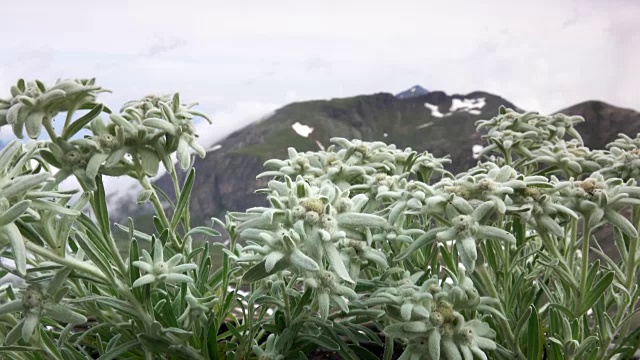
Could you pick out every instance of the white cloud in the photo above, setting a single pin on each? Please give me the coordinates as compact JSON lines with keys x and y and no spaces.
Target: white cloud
{"x":258,"y":53}
{"x":226,"y":122}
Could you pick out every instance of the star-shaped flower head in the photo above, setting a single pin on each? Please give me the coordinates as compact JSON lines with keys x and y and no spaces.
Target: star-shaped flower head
{"x":159,"y":271}
{"x":173,"y":122}
{"x":33,"y":102}
{"x":22,"y":195}
{"x":38,"y":302}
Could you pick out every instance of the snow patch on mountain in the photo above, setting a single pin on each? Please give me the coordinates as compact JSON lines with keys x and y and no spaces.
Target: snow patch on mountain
{"x":435,"y":111}
{"x":467,"y":104}
{"x":302,"y":130}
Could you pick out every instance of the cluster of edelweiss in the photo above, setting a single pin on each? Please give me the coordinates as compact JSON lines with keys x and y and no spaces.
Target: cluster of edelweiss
{"x":369,"y":206}
{"x":358,"y":208}
{"x":133,"y":142}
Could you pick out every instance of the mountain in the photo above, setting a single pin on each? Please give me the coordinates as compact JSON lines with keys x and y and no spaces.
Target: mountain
{"x":415,"y":91}
{"x":603,"y":122}
{"x":440,"y":123}
{"x":437,"y":122}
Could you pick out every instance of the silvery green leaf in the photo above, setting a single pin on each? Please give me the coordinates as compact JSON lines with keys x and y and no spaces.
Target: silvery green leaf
{"x":14,"y":212}
{"x":423,"y":240}
{"x":447,"y":235}
{"x":30,"y":322}
{"x":8,"y":153}
{"x":54,"y":207}
{"x":620,"y":222}
{"x":23,"y":184}
{"x":483,"y":210}
{"x":115,"y":157}
{"x":33,"y":124}
{"x":462,"y":205}
{"x":200,"y":114}
{"x":144,"y":280}
{"x":405,"y":311}
{"x":449,"y":348}
{"x":184,"y":159}
{"x":160,"y":124}
{"x":11,"y":307}
{"x":14,"y":335}
{"x":93,"y":166}
{"x":397,"y":210}
{"x":433,"y":344}
{"x":14,"y":113}
{"x":361,"y":220}
{"x":50,"y":96}
{"x":11,"y":234}
{"x":125,"y":124}
{"x":175,"y":278}
{"x":63,"y":314}
{"x":302,"y":261}
{"x":550,"y":224}
{"x":272,"y":259}
{"x":149,"y":160}
{"x":197,"y":148}
{"x":324,"y":304}
{"x":341,"y":303}
{"x":144,"y":196}
{"x":490,"y":232}
{"x":468,"y":253}
{"x":336,"y":262}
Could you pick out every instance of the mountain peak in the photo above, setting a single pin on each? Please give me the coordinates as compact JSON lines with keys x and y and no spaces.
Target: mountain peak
{"x":412,"y":92}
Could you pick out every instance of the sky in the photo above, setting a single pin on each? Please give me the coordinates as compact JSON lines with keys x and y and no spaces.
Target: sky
{"x":243,"y":59}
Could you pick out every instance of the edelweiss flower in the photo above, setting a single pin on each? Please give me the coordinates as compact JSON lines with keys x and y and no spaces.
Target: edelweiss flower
{"x":157,"y":270}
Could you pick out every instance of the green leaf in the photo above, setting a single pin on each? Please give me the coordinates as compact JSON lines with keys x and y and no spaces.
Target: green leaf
{"x":594,"y":293}
{"x":203,"y":230}
{"x":323,"y":341}
{"x":534,"y":334}
{"x":80,"y":123}
{"x":524,"y":319}
{"x":14,"y":212}
{"x":7,"y":349}
{"x":361,"y":220}
{"x":259,"y":271}
{"x":100,"y":208}
{"x":362,"y":352}
{"x":183,"y":200}
{"x":115,"y":352}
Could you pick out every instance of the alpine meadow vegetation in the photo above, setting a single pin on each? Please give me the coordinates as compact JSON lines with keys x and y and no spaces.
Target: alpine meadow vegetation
{"x":363,"y":245}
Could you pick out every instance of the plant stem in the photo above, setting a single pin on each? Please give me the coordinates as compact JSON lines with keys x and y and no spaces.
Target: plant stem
{"x":506,"y":328}
{"x":67,"y":120}
{"x":388,"y":348}
{"x":70,"y":262}
{"x":155,"y":200}
{"x":46,"y":122}
{"x":572,"y":243}
{"x":586,"y":237}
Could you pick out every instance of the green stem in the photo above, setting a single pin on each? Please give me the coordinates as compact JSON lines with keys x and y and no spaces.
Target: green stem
{"x":504,"y":324}
{"x":46,"y":122}
{"x":388,"y":348}
{"x":572,"y":243}
{"x":70,"y":262}
{"x":157,"y":204}
{"x":630,"y":276}
{"x":586,"y":237}
{"x":67,"y":120}
{"x":287,"y":305}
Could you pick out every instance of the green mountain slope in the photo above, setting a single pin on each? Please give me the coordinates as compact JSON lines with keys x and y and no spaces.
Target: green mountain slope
{"x":226,"y":177}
